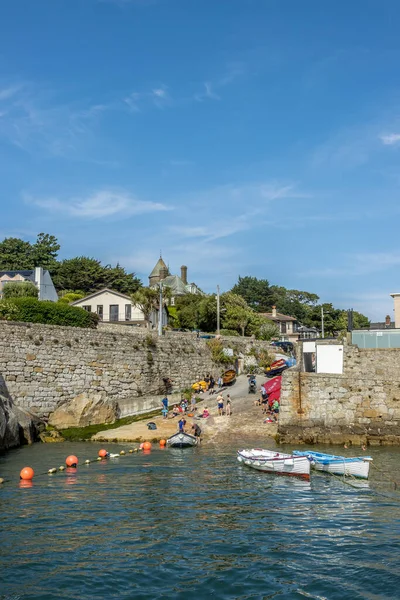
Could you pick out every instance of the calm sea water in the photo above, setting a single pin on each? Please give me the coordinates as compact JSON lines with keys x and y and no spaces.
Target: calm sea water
{"x":194,"y":524}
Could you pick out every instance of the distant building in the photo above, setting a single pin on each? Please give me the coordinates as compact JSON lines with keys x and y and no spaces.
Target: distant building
{"x":287,"y":325}
{"x":179,"y":286}
{"x":386,"y":324}
{"x":39,"y":276}
{"x":114,"y":307}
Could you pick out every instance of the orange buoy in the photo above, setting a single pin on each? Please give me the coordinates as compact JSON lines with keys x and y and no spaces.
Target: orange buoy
{"x":27,"y":474}
{"x":71,"y":461}
{"x":103,"y":453}
{"x":163,"y":442}
{"x":147,"y":446}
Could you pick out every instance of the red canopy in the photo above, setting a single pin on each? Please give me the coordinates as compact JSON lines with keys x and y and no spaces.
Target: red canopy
{"x":273,"y":388}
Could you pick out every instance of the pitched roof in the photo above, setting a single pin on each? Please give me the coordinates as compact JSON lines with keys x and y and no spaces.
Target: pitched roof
{"x":160,"y":265}
{"x":90,"y":296}
{"x":380,"y":326}
{"x":175,"y":283}
{"x":27,"y":273}
{"x":278,"y":317}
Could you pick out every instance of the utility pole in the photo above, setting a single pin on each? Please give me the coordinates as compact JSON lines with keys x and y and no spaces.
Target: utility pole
{"x":218,"y":325}
{"x":160,"y":312}
{"x":322,"y":322}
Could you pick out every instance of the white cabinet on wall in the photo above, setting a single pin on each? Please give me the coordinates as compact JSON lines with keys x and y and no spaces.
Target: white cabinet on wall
{"x":329,"y":358}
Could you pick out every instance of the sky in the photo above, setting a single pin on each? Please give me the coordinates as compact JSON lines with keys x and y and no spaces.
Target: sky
{"x":238,"y":137}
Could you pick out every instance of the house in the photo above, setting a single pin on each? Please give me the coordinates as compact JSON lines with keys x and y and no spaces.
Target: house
{"x":39,"y":276}
{"x":114,"y":307}
{"x":307,"y":333}
{"x":178,"y":286}
{"x":386,"y":324}
{"x":287,"y":325}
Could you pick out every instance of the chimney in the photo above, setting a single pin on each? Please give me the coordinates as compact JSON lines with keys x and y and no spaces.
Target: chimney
{"x":274,"y":311}
{"x":163,"y":273}
{"x":387,"y":321}
{"x":184,"y":274}
{"x":39,"y":282}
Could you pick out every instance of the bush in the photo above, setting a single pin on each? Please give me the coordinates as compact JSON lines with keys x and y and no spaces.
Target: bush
{"x":8,"y":311}
{"x":230,"y":332}
{"x":24,"y":289}
{"x":30,"y":310}
{"x":218,"y":354}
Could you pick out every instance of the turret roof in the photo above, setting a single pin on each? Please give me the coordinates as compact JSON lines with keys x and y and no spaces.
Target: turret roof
{"x":160,"y":265}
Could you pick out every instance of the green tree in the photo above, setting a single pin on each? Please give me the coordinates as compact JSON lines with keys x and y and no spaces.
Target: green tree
{"x":147,"y":300}
{"x":116,"y":278}
{"x":15,"y":255}
{"x":256,"y":292}
{"x":294,"y":303}
{"x":69,"y":296}
{"x":23,"y":289}
{"x":237,"y":317}
{"x":45,"y":251}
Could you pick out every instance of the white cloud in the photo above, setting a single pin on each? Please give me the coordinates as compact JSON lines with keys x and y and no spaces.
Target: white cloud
{"x":207,"y":93}
{"x":9,"y":92}
{"x":390,"y":139}
{"x":104,"y":203}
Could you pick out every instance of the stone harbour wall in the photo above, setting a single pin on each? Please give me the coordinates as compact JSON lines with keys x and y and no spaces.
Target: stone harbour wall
{"x":44,"y":367}
{"x":362,"y":406}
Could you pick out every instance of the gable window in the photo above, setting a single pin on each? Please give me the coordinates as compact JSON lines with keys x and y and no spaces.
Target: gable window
{"x":128,"y":312}
{"x":100,"y":311}
{"x":87,"y":307}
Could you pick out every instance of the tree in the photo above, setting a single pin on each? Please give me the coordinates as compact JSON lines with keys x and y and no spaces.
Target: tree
{"x":45,"y":251}
{"x":118,"y":279}
{"x":295,"y":303}
{"x":147,"y":300}
{"x":71,"y":296}
{"x":15,"y":255}
{"x":23,"y":289}
{"x":237,"y":317}
{"x":256,"y":292}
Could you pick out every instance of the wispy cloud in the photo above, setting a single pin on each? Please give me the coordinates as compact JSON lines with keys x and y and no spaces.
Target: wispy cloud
{"x":209,"y":92}
{"x":9,"y":92}
{"x":359,"y":264}
{"x":390,"y":139}
{"x":100,"y":204}
{"x":158,"y":97}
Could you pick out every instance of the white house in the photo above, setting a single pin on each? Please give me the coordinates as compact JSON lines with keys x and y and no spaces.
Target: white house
{"x":39,"y":276}
{"x":114,"y":307}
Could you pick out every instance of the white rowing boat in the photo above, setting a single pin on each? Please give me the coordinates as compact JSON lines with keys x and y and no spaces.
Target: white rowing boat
{"x":275,"y":462}
{"x":182,"y":440}
{"x":355,"y":466}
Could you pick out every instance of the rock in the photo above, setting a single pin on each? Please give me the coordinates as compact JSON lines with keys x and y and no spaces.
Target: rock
{"x":16,"y":425}
{"x":51,"y":436}
{"x":85,"y":410}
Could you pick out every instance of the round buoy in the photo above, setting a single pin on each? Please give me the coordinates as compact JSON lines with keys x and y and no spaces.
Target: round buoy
{"x":27,"y":474}
{"x":131,"y":451}
{"x":122,"y":452}
{"x":87,"y":462}
{"x":99,"y":458}
{"x":103,"y":453}
{"x":71,"y":461}
{"x":136,"y":449}
{"x":163,"y":442}
{"x":1,"y":480}
{"x":61,"y":468}
{"x":51,"y":471}
{"x":147,"y":446}
{"x":141,"y":446}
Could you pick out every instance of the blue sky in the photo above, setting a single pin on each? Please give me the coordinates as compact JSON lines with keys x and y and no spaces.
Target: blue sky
{"x":241,"y":137}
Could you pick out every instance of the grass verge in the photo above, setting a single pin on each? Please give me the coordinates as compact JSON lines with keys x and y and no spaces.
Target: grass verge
{"x":81,"y":434}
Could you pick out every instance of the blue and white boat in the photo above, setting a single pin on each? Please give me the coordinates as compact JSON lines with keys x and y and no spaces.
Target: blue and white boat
{"x":355,"y":466}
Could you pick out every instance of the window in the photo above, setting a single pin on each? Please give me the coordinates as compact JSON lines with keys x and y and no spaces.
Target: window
{"x":87,"y":307}
{"x":283,"y":327}
{"x":113,"y":312}
{"x":100,"y":311}
{"x":128,"y":312}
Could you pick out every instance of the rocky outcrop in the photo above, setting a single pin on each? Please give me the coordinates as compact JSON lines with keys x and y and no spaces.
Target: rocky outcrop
{"x":16,"y":426}
{"x":84,"y":410}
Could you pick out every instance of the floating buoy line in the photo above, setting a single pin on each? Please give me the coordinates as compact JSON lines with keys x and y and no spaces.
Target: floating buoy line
{"x":71,"y":463}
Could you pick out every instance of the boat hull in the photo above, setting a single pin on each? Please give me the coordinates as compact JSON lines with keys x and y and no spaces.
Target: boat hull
{"x":229,"y":377}
{"x":355,"y":466}
{"x":182,"y":440}
{"x":275,"y":462}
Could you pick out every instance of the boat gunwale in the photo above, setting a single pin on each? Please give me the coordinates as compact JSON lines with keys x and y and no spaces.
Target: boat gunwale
{"x":272,"y":458}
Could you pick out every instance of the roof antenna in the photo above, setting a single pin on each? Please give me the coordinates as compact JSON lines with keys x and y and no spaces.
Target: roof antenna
{"x":160,"y":254}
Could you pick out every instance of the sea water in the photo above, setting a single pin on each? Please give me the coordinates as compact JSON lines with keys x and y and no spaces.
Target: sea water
{"x":193,"y":524}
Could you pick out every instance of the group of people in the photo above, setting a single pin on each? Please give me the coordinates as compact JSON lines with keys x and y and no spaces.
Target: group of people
{"x":178,"y":409}
{"x":269,"y":407}
{"x":220,"y":405}
{"x":195,"y":429}
{"x":210,"y":384}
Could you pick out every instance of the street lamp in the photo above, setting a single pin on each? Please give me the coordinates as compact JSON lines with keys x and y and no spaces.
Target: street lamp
{"x":160,"y":311}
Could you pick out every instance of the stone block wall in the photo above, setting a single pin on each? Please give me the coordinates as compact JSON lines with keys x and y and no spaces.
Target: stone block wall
{"x":45,"y":366}
{"x":360,"y":406}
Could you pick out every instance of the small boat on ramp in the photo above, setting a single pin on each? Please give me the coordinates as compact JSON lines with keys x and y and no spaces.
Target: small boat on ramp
{"x":275,"y":462}
{"x":182,"y":440}
{"x":355,"y":466}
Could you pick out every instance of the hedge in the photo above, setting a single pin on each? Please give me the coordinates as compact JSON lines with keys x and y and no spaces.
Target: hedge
{"x":31,"y":310}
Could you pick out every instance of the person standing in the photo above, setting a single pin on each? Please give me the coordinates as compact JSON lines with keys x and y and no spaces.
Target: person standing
{"x":228,"y":406}
{"x":220,"y":405}
{"x":193,"y":403}
{"x":196,"y":431}
{"x":181,"y":425}
{"x":164,"y":402}
{"x":220,"y":382}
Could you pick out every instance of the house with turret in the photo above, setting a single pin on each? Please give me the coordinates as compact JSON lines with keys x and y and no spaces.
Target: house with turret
{"x":178,"y":285}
